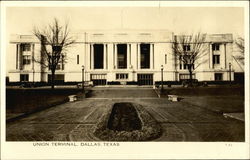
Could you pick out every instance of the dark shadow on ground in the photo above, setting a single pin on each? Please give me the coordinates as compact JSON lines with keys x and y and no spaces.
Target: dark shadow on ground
{"x":23,"y":101}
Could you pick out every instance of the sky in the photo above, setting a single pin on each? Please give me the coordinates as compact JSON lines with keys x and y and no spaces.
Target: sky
{"x":21,"y":20}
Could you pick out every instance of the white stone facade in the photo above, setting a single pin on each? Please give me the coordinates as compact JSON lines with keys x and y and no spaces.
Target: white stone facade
{"x":156,"y":47}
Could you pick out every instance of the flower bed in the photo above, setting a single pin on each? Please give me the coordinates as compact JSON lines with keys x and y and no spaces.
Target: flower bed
{"x":149,"y":129}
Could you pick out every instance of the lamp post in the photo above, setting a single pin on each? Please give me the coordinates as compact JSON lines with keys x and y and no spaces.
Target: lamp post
{"x":82,"y":78}
{"x":161,"y":78}
{"x":230,"y":74}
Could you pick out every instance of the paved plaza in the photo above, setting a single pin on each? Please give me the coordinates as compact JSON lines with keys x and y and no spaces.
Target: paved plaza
{"x":185,"y":120}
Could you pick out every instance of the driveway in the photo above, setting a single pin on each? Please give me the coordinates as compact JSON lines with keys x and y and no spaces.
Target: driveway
{"x":73,"y":121}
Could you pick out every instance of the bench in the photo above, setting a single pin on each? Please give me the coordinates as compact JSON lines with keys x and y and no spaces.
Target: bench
{"x":173,"y":98}
{"x":72,"y":98}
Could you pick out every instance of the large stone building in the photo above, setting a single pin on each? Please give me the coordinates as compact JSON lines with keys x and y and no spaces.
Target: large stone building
{"x":121,"y":56}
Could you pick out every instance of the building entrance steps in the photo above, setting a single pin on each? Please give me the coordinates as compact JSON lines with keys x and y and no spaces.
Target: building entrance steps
{"x":122,"y":93}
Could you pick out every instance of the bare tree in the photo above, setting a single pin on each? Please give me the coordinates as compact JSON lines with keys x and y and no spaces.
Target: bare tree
{"x":55,"y":40}
{"x":240,"y":44}
{"x":190,"y":49}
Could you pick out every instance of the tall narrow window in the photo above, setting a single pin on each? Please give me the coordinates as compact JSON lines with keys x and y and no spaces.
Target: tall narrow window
{"x":216,"y":59}
{"x":218,"y":76}
{"x":26,"y":59}
{"x":77,"y":59}
{"x":180,"y":61}
{"x":145,"y":55}
{"x":166,"y":58}
{"x":63,"y":59}
{"x":24,"y":77}
{"x":215,"y":47}
{"x":122,"y":55}
{"x":60,"y":64}
{"x":98,"y":56}
{"x":26,"y":47}
{"x":186,"y":47}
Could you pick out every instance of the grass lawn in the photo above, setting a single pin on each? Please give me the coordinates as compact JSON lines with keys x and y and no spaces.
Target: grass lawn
{"x":207,"y":91}
{"x":220,"y":104}
{"x":20,"y":101}
{"x":222,"y":99}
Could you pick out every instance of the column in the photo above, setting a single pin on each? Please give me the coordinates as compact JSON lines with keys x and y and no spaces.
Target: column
{"x":210,"y":56}
{"x":225,"y":55}
{"x":153,"y":49}
{"x":86,"y":57}
{"x":92,"y":56}
{"x":115,"y":56}
{"x":104,"y":56}
{"x":151,"y":56}
{"x":110,"y":56}
{"x":20,"y":57}
{"x":138,"y":57}
{"x":128,"y":56}
{"x":222,"y":56}
{"x":89,"y":56}
{"x":17,"y":55}
{"x":33,"y":58}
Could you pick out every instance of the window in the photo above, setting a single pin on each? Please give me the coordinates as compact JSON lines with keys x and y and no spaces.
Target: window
{"x":216,"y":59}
{"x":121,"y":76}
{"x":24,"y":77}
{"x":99,"y":79}
{"x":60,"y":64}
{"x":59,"y":78}
{"x":215,"y":47}
{"x":98,"y":56}
{"x":26,"y":47}
{"x":63,"y":59}
{"x":180,"y":60}
{"x":26,"y":59}
{"x":186,"y":76}
{"x":165,"y":58}
{"x":122,"y":55}
{"x":185,"y":66}
{"x":58,"y":67}
{"x":145,"y":55}
{"x":77,"y":61}
{"x":186,"y":47}
{"x":218,"y":76}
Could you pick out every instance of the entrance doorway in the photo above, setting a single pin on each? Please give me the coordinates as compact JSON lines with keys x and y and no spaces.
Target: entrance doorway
{"x":99,"y":79}
{"x":145,"y":79}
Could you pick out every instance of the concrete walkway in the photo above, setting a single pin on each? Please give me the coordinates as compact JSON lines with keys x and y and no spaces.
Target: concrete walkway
{"x":74,"y":121}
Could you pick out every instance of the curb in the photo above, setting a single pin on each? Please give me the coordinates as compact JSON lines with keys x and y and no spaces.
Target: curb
{"x":237,"y":116}
{"x":158,"y":93}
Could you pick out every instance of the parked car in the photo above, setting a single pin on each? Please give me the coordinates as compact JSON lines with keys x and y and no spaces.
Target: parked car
{"x":188,"y":82}
{"x":86,"y":84}
{"x":27,"y":85}
{"x":195,"y":83}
